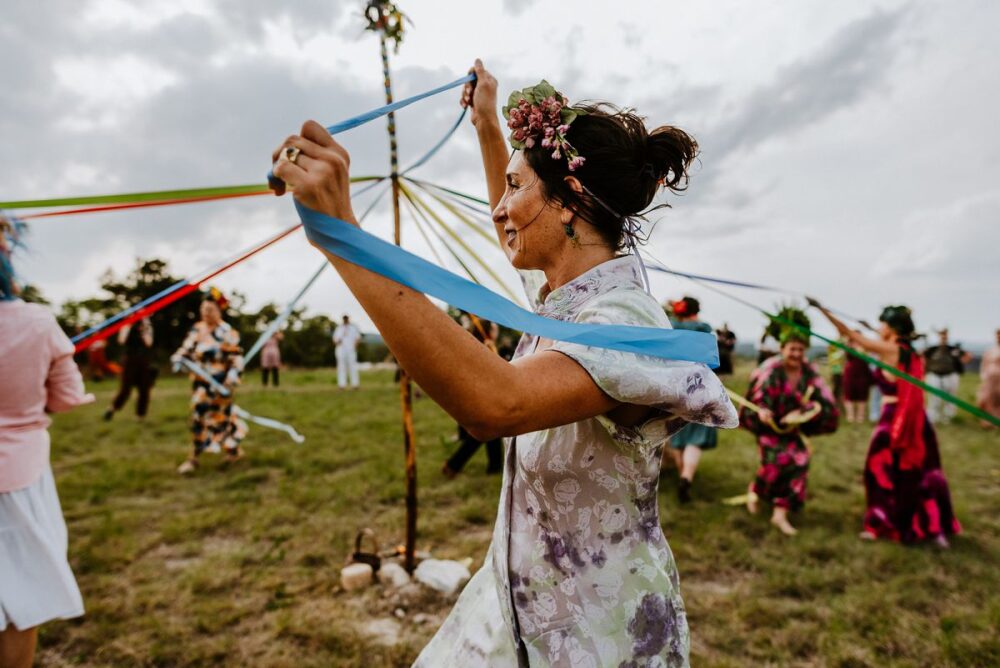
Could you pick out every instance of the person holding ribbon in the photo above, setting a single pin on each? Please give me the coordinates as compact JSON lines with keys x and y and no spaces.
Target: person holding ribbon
{"x":579,"y":571}
{"x":687,"y":445}
{"x":787,"y":402}
{"x":214,"y":346}
{"x":907,"y":494}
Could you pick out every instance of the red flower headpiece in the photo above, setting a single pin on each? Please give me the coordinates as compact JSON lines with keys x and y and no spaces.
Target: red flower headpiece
{"x":540,"y":115}
{"x":215,"y":295}
{"x":679,"y":307}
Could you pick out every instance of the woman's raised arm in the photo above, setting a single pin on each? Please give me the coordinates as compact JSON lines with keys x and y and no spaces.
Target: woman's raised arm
{"x":871,"y":345}
{"x":486,"y":394}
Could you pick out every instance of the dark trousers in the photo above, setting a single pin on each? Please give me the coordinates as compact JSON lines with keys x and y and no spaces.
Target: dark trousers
{"x":468,"y":446}
{"x":140,"y":376}
{"x":264,"y":372}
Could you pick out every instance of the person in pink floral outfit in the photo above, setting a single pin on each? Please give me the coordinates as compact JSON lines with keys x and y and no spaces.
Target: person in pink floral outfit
{"x":780,"y":387}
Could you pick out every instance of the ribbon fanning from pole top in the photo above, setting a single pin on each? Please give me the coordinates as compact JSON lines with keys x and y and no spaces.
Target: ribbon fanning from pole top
{"x":369,"y":116}
{"x":358,"y":247}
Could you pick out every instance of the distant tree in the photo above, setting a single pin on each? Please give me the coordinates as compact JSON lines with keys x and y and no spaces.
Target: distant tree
{"x":30,"y":293}
{"x":147,"y":278}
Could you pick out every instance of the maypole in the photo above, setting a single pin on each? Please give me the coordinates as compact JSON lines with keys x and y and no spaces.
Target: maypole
{"x":385,"y":18}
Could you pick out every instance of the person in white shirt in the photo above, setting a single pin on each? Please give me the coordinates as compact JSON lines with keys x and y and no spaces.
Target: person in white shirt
{"x":347,"y":337}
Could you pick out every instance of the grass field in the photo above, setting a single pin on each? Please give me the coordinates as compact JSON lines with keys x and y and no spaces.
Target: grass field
{"x":241,"y":566}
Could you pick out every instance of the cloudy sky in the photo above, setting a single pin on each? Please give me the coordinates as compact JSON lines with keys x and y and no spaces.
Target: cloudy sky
{"x":849,"y":150}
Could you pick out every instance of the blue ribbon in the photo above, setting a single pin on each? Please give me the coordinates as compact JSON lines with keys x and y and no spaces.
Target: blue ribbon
{"x":712,"y":279}
{"x":358,"y":247}
{"x":280,"y":320}
{"x":369,"y":116}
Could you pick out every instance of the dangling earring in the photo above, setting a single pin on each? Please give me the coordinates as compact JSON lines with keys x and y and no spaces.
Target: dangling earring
{"x":571,"y":233}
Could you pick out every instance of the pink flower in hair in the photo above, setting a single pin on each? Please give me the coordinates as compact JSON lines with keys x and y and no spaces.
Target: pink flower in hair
{"x":540,"y":116}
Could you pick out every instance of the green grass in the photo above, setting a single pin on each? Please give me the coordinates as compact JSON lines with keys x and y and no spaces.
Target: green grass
{"x":241,"y":566}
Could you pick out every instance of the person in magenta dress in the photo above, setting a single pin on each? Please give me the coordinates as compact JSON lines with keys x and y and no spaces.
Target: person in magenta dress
{"x":908,"y":499}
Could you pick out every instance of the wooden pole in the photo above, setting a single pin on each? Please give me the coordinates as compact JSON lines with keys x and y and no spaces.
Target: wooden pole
{"x":405,"y":389}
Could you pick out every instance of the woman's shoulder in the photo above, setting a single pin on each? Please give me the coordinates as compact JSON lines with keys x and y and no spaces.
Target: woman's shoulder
{"x":625,"y":304}
{"x":35,"y":316}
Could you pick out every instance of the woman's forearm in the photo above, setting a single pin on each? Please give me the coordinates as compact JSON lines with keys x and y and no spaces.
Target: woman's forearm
{"x":448,"y":363}
{"x":495,"y":158}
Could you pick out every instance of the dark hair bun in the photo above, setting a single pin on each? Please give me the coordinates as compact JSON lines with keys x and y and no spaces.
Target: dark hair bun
{"x":625,"y":166}
{"x":670,"y":151}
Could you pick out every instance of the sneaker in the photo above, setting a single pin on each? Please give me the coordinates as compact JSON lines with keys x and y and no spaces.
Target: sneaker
{"x":187,"y":467}
{"x":108,"y":414}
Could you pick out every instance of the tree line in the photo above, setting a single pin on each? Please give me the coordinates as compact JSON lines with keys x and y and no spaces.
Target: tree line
{"x":307,"y":340}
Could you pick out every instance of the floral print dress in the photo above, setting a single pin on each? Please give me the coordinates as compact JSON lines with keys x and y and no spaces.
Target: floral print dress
{"x":214,"y":426}
{"x":784,"y":457}
{"x":579,"y":572}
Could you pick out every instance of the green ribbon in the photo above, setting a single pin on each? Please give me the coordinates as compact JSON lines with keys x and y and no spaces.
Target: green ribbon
{"x":151,"y":196}
{"x":961,"y":403}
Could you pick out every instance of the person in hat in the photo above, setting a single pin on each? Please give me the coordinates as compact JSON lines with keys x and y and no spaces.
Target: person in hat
{"x":944,"y":363}
{"x":908,"y":498}
{"x":787,"y":402}
{"x":213,"y":345}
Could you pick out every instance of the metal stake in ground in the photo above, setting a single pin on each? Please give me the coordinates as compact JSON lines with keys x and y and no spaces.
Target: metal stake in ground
{"x":385,"y":18}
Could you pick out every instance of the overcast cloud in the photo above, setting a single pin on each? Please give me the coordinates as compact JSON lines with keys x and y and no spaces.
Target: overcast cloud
{"x":848,"y":150}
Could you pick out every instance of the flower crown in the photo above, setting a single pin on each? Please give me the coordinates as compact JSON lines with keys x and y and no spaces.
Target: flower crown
{"x":215,"y":295}
{"x":540,"y":115}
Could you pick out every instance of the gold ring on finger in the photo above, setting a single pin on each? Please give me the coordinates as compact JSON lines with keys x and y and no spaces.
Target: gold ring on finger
{"x":292,"y":153}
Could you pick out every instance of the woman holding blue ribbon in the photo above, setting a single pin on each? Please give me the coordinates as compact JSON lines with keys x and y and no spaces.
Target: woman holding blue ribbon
{"x":579,"y":572}
{"x":214,"y":346}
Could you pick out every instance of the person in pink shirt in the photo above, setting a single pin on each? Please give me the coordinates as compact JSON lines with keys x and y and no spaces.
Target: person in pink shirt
{"x":40,"y":377}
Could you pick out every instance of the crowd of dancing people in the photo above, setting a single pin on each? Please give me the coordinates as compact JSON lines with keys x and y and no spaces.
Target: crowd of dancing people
{"x":578,"y":551}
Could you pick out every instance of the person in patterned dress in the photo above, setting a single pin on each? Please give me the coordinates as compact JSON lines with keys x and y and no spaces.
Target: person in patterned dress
{"x":790,"y":402}
{"x":213,"y":345}
{"x":579,"y":572}
{"x":907,"y":494}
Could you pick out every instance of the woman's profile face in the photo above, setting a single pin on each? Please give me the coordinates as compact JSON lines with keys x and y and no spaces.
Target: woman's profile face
{"x":210,"y":312}
{"x":535,"y":234}
{"x":886,"y":332}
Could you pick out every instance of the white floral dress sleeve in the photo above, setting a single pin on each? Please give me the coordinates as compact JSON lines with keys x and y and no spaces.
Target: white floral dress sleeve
{"x":684,"y":390}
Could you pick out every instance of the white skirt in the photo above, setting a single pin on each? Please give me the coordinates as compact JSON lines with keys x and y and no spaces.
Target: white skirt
{"x":36,"y":583}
